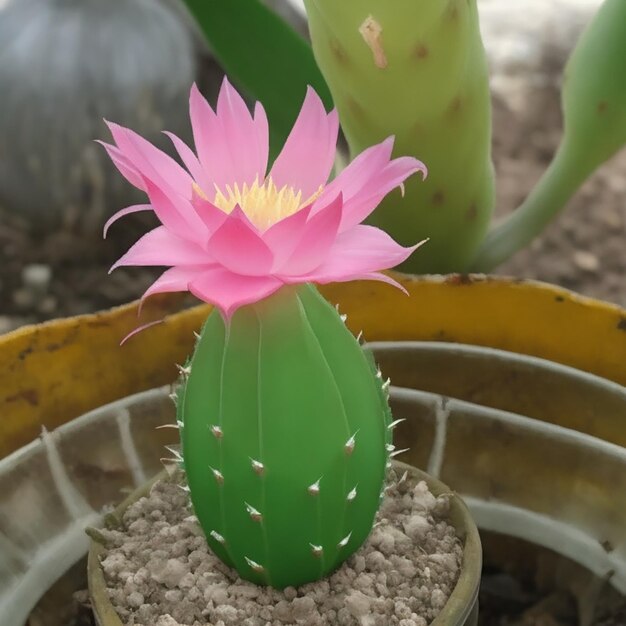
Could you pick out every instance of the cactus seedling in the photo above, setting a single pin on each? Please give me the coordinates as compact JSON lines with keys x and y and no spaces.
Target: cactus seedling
{"x":284,"y":420}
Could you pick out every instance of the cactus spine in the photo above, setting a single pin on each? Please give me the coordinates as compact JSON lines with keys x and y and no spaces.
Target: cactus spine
{"x":285,"y":438}
{"x":416,"y":70}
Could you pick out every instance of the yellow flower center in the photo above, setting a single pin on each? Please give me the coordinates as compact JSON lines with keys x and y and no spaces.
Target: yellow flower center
{"x":264,"y":204}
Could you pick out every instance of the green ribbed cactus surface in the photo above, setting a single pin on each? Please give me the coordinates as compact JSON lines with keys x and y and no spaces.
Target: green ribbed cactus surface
{"x":416,"y":69}
{"x":285,"y":433}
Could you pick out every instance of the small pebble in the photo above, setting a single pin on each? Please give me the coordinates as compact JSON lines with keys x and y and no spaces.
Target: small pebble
{"x":135,"y":599}
{"x":358,"y":604}
{"x":586,"y":261}
{"x":36,"y":277}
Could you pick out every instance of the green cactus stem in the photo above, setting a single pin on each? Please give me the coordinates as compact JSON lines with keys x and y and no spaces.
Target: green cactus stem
{"x":594,"y":111}
{"x":416,"y":70}
{"x":285,"y":437}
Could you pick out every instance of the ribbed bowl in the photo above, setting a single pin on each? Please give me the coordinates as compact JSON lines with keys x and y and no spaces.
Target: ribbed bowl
{"x":535,"y":449}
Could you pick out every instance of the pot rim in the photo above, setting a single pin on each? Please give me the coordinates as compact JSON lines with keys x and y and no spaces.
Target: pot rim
{"x":31,"y":364}
{"x":453,"y":348}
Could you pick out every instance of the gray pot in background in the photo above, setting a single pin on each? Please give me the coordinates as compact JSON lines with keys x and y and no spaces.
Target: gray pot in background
{"x":64,"y":66}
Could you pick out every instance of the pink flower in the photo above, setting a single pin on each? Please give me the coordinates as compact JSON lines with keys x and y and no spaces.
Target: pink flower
{"x":230,"y":233}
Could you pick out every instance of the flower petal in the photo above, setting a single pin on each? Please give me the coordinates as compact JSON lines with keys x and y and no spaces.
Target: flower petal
{"x":176,"y":213}
{"x":368,"y":179}
{"x":140,"y":329}
{"x":359,"y":172}
{"x":135,"y":208}
{"x":357,"y":252}
{"x":161,"y":247}
{"x":126,"y":169}
{"x":319,"y":235}
{"x":308,"y":155}
{"x":203,"y":125}
{"x":379,"y":276}
{"x":243,"y":135}
{"x":284,"y":236}
{"x":191,"y":162}
{"x":262,"y":136}
{"x":149,"y":161}
{"x":381,"y":183}
{"x":232,"y":146}
{"x":212,"y":216}
{"x":173,"y":279}
{"x":228,"y":291}
{"x":239,"y":247}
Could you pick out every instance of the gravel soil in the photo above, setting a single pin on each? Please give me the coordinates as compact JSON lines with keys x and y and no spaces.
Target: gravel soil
{"x":160,"y":571}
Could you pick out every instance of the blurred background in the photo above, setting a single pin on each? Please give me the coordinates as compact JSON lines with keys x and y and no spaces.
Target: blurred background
{"x":67,"y":64}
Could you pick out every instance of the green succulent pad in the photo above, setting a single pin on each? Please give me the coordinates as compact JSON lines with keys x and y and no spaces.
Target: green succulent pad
{"x":416,"y":70}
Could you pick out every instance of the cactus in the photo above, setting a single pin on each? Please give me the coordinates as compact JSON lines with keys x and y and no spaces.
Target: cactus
{"x":594,"y":111}
{"x":285,"y":427}
{"x":284,"y":419}
{"x":416,"y":70}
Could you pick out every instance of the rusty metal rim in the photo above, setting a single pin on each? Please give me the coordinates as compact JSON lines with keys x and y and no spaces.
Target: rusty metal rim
{"x":502,"y":356}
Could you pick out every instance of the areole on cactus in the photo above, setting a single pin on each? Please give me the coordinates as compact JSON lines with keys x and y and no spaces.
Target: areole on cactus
{"x":285,"y":426}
